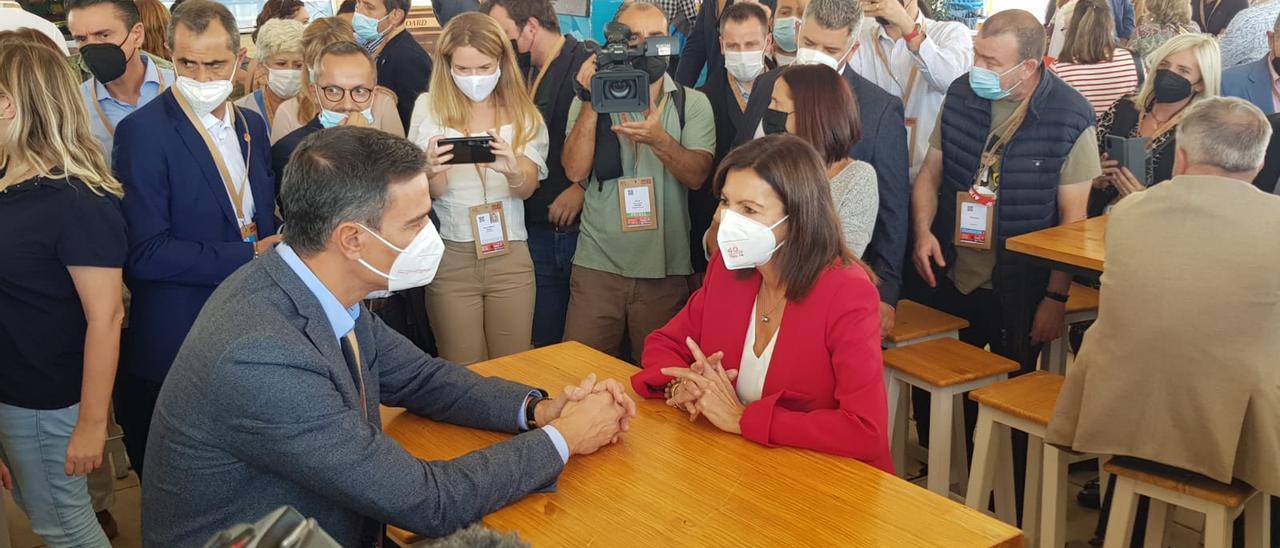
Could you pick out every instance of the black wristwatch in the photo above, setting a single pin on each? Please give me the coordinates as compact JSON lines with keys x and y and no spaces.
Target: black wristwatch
{"x":1060,"y":297}
{"x":529,"y":408}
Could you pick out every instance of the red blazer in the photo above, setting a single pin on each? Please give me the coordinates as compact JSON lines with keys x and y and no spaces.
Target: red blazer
{"x":825,"y":386}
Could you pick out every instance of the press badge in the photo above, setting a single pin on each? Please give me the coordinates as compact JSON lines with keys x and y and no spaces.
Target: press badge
{"x":489,"y":230}
{"x":249,"y":232}
{"x":636,"y":204}
{"x":975,"y":212}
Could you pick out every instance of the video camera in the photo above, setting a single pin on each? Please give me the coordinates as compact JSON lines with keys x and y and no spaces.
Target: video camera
{"x":619,"y":84}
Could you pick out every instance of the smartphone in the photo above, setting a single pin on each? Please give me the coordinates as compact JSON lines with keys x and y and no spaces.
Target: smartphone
{"x":1130,"y":152}
{"x":469,"y":150}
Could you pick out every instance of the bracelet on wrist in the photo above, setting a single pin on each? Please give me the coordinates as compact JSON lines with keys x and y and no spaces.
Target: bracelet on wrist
{"x":1060,"y":297}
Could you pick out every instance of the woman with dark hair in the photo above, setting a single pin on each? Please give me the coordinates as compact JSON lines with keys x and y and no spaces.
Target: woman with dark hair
{"x":782,"y":342}
{"x":814,"y":103}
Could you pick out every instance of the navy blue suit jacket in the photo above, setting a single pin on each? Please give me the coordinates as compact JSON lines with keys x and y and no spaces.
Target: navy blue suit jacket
{"x":183,"y":235}
{"x":405,"y":68}
{"x":884,"y":146}
{"x":1251,"y":82}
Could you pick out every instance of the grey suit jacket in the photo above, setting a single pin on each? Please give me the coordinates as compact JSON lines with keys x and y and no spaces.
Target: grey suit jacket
{"x":260,"y":409}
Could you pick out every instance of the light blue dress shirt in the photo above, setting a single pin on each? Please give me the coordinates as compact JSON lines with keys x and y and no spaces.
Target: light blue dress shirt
{"x":343,"y":320}
{"x":154,"y":82}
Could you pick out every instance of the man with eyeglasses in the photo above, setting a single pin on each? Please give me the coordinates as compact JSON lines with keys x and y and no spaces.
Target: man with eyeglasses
{"x":343,"y":78}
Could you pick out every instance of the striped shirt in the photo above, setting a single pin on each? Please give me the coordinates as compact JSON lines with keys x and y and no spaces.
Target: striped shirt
{"x":1101,"y":83}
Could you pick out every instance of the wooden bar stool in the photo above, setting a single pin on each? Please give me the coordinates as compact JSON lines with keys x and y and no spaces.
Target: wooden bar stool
{"x":945,"y":368}
{"x":1166,"y":485}
{"x":1024,"y":403}
{"x":917,"y":323}
{"x":1082,"y":306}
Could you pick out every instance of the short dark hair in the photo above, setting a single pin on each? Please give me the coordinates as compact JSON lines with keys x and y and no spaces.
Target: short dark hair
{"x":339,"y":49}
{"x":276,"y":9}
{"x":347,"y":6}
{"x":1026,"y":30}
{"x":544,"y":11}
{"x":403,"y":5}
{"x":195,"y":15}
{"x":338,"y":175}
{"x":743,"y":11}
{"x":127,"y":10}
{"x":814,"y":241}
{"x":826,"y":110}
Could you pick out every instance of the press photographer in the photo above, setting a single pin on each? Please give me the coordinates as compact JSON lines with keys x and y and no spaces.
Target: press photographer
{"x":632,"y":261}
{"x":624,"y":71}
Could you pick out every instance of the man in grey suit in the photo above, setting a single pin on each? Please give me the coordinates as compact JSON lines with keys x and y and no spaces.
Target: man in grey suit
{"x":273,"y":398}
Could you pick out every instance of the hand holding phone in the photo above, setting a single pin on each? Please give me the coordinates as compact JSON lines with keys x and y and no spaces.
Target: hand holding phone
{"x":1129,"y":152}
{"x":469,"y":150}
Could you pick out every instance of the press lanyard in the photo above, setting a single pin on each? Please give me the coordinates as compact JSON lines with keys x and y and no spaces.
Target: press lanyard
{"x":97,"y":105}
{"x":1163,"y":128}
{"x":911,"y":80}
{"x":1204,"y":15}
{"x":533,"y":90}
{"x":236,"y":195}
{"x":991,"y":151}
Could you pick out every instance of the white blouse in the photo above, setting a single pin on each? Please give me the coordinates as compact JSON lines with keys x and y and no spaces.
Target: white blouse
{"x":466,"y":190}
{"x":753,"y":369}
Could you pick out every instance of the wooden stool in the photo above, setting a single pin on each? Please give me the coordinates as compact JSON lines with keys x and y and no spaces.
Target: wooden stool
{"x":1024,"y":403}
{"x":916,"y":323}
{"x":1082,"y":306}
{"x":400,"y":537}
{"x":1166,"y":485}
{"x":945,"y":368}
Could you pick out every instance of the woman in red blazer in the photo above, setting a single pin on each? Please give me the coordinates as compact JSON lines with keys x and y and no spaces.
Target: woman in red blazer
{"x":791,"y":330}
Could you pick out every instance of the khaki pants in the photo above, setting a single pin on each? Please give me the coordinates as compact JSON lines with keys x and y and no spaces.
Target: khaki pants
{"x":482,"y":309}
{"x":605,"y":307}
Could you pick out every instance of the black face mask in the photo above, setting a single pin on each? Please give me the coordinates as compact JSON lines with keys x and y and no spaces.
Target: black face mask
{"x":523,"y":60}
{"x":655,"y":67}
{"x":775,"y":122}
{"x":105,"y":61}
{"x":1171,"y":87}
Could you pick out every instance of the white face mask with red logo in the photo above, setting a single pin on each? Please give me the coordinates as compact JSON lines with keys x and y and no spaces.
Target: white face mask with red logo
{"x":745,"y":243}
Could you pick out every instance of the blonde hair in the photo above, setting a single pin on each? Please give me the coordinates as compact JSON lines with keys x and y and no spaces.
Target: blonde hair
{"x":279,"y":36}
{"x":1089,"y":34}
{"x":155,"y":19}
{"x":320,"y":33}
{"x":511,"y":99}
{"x":1168,"y":12}
{"x":51,"y":130}
{"x":1205,"y":50}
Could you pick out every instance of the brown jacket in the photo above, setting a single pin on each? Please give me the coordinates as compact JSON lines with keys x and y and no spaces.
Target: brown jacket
{"x":1183,"y":365}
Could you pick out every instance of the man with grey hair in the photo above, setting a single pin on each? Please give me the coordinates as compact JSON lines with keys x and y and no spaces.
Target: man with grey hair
{"x":1249,"y":60}
{"x":200,"y":203}
{"x":1180,"y":367}
{"x":828,"y":35}
{"x":274,"y":396}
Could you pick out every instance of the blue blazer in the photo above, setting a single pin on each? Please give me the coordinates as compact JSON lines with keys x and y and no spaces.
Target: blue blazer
{"x":1251,"y":82}
{"x":183,"y":235}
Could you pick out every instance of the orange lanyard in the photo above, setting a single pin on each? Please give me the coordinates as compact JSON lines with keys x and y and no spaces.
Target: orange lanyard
{"x":97,"y":105}
{"x":235,"y":194}
{"x":533,"y":89}
{"x":911,"y":80}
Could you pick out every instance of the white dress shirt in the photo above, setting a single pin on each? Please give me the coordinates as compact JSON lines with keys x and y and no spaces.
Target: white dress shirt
{"x":223,"y":132}
{"x":945,"y":54}
{"x":465,"y":189}
{"x":753,"y":369}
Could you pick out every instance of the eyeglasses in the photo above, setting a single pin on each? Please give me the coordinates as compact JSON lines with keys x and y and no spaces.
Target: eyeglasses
{"x":334,"y":94}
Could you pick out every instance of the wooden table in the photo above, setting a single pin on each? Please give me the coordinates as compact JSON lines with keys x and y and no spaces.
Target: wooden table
{"x":1078,"y":247}
{"x":671,"y":482}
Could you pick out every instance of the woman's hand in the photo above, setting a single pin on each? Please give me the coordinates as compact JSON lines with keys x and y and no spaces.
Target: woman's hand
{"x":84,"y":451}
{"x":437,"y":156}
{"x":719,"y":401}
{"x":1123,"y":180}
{"x":1104,"y":180}
{"x":504,"y":159}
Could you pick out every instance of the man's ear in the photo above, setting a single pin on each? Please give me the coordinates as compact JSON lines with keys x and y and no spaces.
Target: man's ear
{"x":346,"y":237}
{"x":399,"y":19}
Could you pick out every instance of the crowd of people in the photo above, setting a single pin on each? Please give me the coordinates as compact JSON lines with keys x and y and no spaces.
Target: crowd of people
{"x":239,"y":258}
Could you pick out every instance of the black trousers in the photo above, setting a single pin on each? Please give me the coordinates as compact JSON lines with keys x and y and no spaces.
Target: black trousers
{"x":135,"y":400}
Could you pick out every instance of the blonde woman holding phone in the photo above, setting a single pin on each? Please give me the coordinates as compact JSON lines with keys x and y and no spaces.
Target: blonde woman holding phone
{"x":484,"y":293}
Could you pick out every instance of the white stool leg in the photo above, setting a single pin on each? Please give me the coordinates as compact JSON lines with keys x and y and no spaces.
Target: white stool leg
{"x":898,"y":398}
{"x":1006,"y":498}
{"x":1123,"y":509}
{"x":959,"y":444}
{"x":1031,"y":506}
{"x":982,"y":473}
{"x":1217,"y":527}
{"x":1054,"y":356}
{"x":1053,"y":508}
{"x":1257,"y":522}
{"x":940,"y":408}
{"x":1158,"y":515}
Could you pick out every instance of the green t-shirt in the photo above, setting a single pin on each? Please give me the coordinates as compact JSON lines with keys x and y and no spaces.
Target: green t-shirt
{"x":972,"y":268}
{"x":602,"y":245}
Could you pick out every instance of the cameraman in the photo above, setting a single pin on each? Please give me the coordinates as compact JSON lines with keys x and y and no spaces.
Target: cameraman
{"x":630,"y":282}
{"x":551,"y":213}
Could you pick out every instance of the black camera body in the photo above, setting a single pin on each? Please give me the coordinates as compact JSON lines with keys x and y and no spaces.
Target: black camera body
{"x":617,"y":85}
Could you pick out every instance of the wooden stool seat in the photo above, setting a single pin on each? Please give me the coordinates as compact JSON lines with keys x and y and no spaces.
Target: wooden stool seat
{"x":1081,"y":298}
{"x":1181,"y":481}
{"x":913,"y":320}
{"x":1030,"y":397}
{"x":401,"y":537}
{"x":947,"y":362}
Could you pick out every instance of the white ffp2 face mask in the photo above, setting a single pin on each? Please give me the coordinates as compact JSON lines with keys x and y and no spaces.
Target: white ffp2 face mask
{"x":477,"y":87}
{"x":744,"y":66}
{"x":204,"y":97}
{"x":807,"y":56}
{"x":285,"y":83}
{"x":416,"y":265}
{"x":745,"y":243}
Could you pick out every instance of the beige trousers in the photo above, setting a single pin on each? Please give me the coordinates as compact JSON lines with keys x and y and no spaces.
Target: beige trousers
{"x":605,"y":309}
{"x":482,"y":309}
